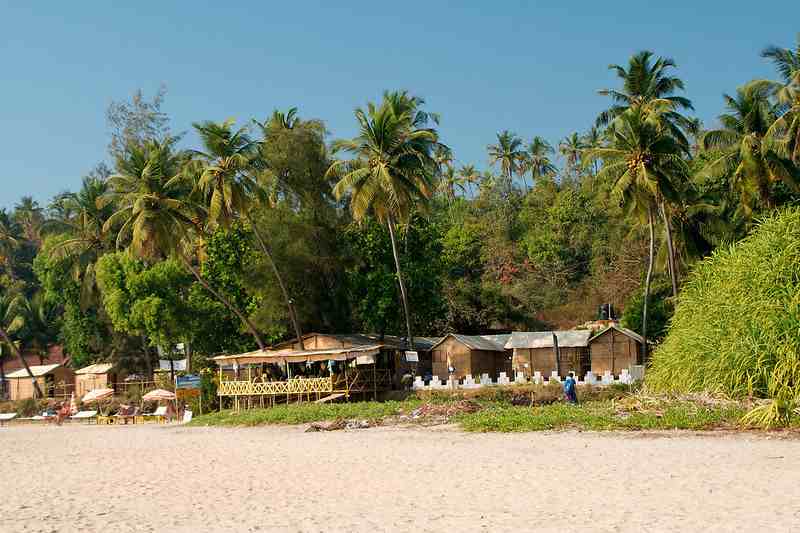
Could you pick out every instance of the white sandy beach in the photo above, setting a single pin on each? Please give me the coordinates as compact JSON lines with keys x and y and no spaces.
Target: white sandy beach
{"x":150,"y":478}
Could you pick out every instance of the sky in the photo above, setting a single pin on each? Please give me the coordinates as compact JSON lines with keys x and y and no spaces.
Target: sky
{"x":530,"y":67}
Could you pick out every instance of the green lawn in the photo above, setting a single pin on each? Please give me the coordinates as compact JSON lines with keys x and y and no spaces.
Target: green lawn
{"x":595,"y":415}
{"x":305,"y":413}
{"x":601,"y":416}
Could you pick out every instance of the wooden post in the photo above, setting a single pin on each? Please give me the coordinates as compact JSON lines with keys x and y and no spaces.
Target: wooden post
{"x":346,"y":383}
{"x":374,"y":381}
{"x":558,"y":354}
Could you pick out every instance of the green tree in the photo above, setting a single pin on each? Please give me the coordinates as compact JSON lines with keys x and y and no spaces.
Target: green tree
{"x":536,"y":159}
{"x":11,"y":321}
{"x":743,"y":154}
{"x":643,"y":161}
{"x":509,"y":153}
{"x":392,"y":170}
{"x":155,"y":216}
{"x":784,"y":133}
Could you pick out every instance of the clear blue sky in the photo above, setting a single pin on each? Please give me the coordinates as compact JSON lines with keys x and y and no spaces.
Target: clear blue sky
{"x":530,"y":67}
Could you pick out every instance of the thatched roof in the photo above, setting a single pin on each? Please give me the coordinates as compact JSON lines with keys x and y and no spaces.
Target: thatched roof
{"x":98,"y":368}
{"x":363,"y":339}
{"x":36,"y":370}
{"x":299,"y":356}
{"x":544,"y":339}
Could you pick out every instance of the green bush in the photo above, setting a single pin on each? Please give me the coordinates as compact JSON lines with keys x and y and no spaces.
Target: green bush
{"x":736,"y":329}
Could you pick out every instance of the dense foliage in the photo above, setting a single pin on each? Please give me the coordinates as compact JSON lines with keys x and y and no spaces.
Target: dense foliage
{"x":736,"y":328}
{"x":269,"y":229}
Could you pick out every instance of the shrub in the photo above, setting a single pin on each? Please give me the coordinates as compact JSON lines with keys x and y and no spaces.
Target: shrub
{"x":736,"y":329}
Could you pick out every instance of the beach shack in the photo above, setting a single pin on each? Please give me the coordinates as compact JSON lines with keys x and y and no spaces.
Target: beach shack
{"x":614,"y":349}
{"x":96,"y":376}
{"x":537,"y":351}
{"x":55,"y":381}
{"x":327,"y":367}
{"x":470,"y":355}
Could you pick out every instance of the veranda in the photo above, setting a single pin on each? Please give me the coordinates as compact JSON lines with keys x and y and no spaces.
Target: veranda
{"x":266,"y":379}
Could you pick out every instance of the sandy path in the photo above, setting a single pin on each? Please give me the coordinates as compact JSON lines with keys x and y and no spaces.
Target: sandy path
{"x":149,"y":478}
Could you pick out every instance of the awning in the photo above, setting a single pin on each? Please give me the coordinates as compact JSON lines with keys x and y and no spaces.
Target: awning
{"x":301,"y":356}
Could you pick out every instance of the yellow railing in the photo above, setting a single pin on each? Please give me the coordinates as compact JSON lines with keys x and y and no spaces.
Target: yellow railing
{"x":292,"y":386}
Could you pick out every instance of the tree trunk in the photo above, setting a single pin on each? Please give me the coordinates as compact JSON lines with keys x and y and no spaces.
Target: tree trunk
{"x":37,"y":390}
{"x":647,"y":279}
{"x":247,"y":322}
{"x":289,"y":304}
{"x":673,"y":275}
{"x":403,"y":295}
{"x":148,"y":362}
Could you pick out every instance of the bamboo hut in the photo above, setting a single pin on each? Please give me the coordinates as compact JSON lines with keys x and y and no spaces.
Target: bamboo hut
{"x":536,"y":351}
{"x":614,"y":349}
{"x":327,"y":367}
{"x":97,"y":376}
{"x":470,"y":354}
{"x":55,"y":381}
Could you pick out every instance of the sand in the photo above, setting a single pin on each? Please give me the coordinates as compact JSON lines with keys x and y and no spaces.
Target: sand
{"x":155,"y":478}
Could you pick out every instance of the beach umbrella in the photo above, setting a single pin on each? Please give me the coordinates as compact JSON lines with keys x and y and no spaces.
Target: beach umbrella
{"x":96,"y":395}
{"x":157,"y":395}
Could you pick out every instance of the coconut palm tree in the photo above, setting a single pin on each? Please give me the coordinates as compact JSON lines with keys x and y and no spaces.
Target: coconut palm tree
{"x":784,"y":133}
{"x":643,"y":161}
{"x":81,"y":222}
{"x":10,"y":322}
{"x":29,"y":215}
{"x":646,"y":79}
{"x":509,"y":153}
{"x":392,"y":170}
{"x":470,"y":176}
{"x":154,"y":214}
{"x":9,"y":239}
{"x":741,"y":151}
{"x":38,"y":323}
{"x":537,"y":159}
{"x":571,"y":148}
{"x":225,"y":179}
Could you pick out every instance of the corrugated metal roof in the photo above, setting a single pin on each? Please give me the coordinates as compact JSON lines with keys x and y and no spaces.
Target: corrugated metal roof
{"x":625,"y":331}
{"x":98,"y":368}
{"x":577,"y":338}
{"x":474,"y":342}
{"x":36,"y":370}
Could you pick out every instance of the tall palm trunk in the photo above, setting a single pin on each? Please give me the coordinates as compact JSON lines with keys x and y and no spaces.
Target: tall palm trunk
{"x":673,"y":275}
{"x":37,"y":390}
{"x":289,"y":304}
{"x":403,"y":296}
{"x":648,"y":278}
{"x":227,"y":303}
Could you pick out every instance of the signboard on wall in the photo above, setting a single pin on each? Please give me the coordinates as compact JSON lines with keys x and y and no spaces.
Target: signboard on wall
{"x":187,"y":382}
{"x":412,"y":357}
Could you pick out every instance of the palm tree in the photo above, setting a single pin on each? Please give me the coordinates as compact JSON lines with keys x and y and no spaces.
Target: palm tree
{"x":470,"y":176}
{"x":9,"y":239}
{"x":571,"y":148}
{"x":10,"y":322}
{"x":643,"y":161}
{"x":230,"y":191}
{"x":784,"y":133}
{"x":155,"y":217}
{"x":646,"y":80}
{"x":38,"y":318}
{"x":509,"y":152}
{"x":741,"y":151}
{"x":593,"y":139}
{"x":392,"y":169}
{"x":81,"y":224}
{"x":537,"y":159}
{"x":30,"y":217}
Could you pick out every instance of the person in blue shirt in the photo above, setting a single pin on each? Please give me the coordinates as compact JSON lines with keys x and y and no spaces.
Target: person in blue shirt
{"x":569,"y":389}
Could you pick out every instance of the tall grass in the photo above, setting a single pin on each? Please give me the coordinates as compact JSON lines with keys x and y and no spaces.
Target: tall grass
{"x":736,"y":329}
